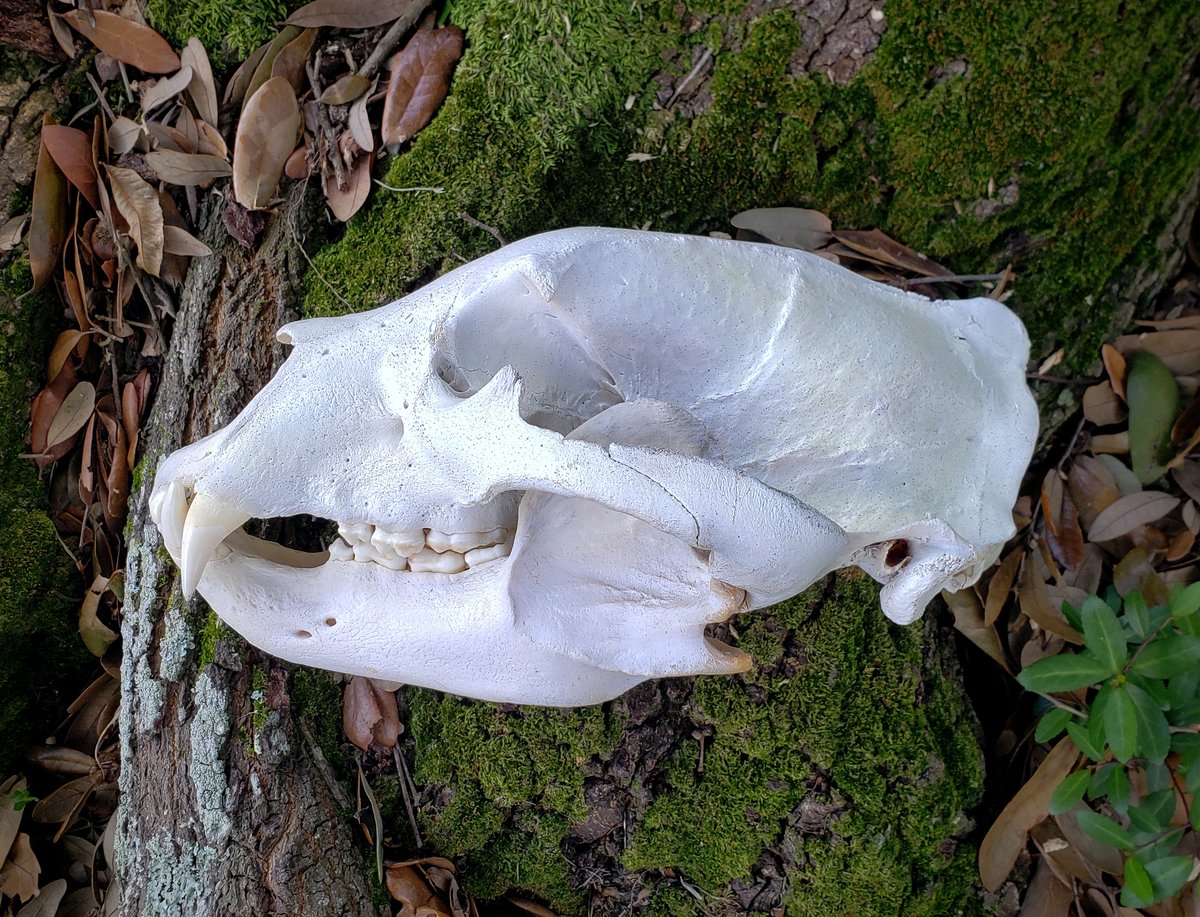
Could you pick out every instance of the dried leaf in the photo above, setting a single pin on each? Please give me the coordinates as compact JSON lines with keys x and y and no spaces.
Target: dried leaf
{"x":1114,"y":365}
{"x":1101,"y":405}
{"x":1179,"y":350}
{"x":187,"y":168}
{"x":1153,"y":400}
{"x":1129,"y":512}
{"x":64,"y":344}
{"x":181,"y":242}
{"x":1035,"y":602}
{"x":10,"y":818}
{"x":47,"y":901}
{"x":61,"y":33}
{"x":71,"y":149}
{"x":11,"y":231}
{"x":235,"y":89}
{"x":210,"y":142}
{"x":1007,"y":837}
{"x":138,"y":204}
{"x":1000,"y":586}
{"x":350,"y":14}
{"x":48,"y":222}
{"x":59,"y":759}
{"x":1092,"y":487}
{"x":75,"y":411}
{"x":345,"y":90}
{"x":883,"y":249}
{"x":202,"y":87}
{"x":266,"y":136}
{"x":1063,"y":534}
{"x":359,"y":122}
{"x":262,"y":72}
{"x":345,"y":204}
{"x":93,"y":709}
{"x":44,"y":409}
{"x":166,"y":137}
{"x":369,"y":714}
{"x":1110,"y":443}
{"x":297,"y":167}
{"x":1136,"y":571}
{"x":794,"y":227}
{"x":289,"y":62}
{"x":1181,"y":545}
{"x":156,"y":93}
{"x":408,"y":887}
{"x":968,"y":621}
{"x":124,"y":40}
{"x":124,"y":135}
{"x":531,"y":907}
{"x":1127,"y":483}
{"x":64,"y":803}
{"x":419,"y":82}
{"x":1191,"y":517}
{"x":116,"y":481}
{"x":1046,"y":895}
{"x":19,"y":875}
{"x":97,"y":636}
{"x":1187,"y":476}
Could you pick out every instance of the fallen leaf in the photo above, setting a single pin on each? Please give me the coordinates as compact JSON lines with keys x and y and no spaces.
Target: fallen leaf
{"x":1136,"y":571}
{"x":11,"y":231}
{"x":1101,"y":856}
{"x":75,"y":411}
{"x":266,"y":136}
{"x":116,"y":481}
{"x":639,"y":157}
{"x":71,"y":149}
{"x":1063,"y":534}
{"x":138,"y":204}
{"x":10,"y":816}
{"x":1153,"y":398}
{"x":181,"y":242}
{"x":416,"y":897}
{"x":166,"y":137}
{"x":345,"y":90}
{"x":1101,"y":405}
{"x":1127,"y":482}
{"x":93,"y":709}
{"x":419,"y":81}
{"x":124,"y":135}
{"x":1110,"y":443}
{"x":369,"y":714}
{"x":1008,"y":835}
{"x":350,"y":14}
{"x":1046,"y":895}
{"x":1000,"y":586}
{"x":61,"y":33}
{"x":345,"y":204}
{"x":359,"y":122}
{"x":46,"y":903}
{"x":1129,"y":512}
{"x":1114,"y":365}
{"x":1179,"y":350}
{"x":124,"y":40}
{"x":156,"y":93}
{"x":297,"y":167}
{"x":19,"y":875}
{"x":289,"y":62}
{"x":42,"y":413}
{"x":794,"y":227}
{"x":48,"y":222}
{"x":202,"y":87}
{"x":1035,"y":602}
{"x":531,"y":907}
{"x":210,"y":141}
{"x":187,"y":168}
{"x":1187,"y":476}
{"x":63,"y":804}
{"x":968,"y":621}
{"x":1181,"y":545}
{"x":882,"y":248}
{"x":60,"y":760}
{"x":262,"y":72}
{"x":64,"y":344}
{"x":97,"y":636}
{"x":1092,"y":487}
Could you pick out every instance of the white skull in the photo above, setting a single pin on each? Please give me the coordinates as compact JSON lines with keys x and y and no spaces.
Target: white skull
{"x":553,"y":467}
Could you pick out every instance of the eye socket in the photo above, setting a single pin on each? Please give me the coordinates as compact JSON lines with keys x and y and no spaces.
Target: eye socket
{"x":452,"y":374}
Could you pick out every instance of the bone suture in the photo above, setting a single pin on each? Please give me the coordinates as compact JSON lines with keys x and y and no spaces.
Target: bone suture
{"x":553,"y":468}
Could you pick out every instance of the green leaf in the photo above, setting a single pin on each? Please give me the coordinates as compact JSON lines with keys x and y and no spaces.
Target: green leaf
{"x":1137,"y":615}
{"x":1066,"y":672}
{"x":1182,"y":688}
{"x":1187,"y":714}
{"x":1070,"y":791}
{"x":1194,"y":811}
{"x":1103,"y":634}
{"x":1071,"y":613}
{"x":1169,"y":655}
{"x":1159,"y":845}
{"x":1121,"y":724}
{"x":1153,"y":733}
{"x":1185,"y":600}
{"x":1168,"y":874}
{"x":1079,"y":735}
{"x":1154,"y":812}
{"x":1104,"y":830}
{"x":1051,"y":724}
{"x":1153,"y":398}
{"x":1139,"y":890}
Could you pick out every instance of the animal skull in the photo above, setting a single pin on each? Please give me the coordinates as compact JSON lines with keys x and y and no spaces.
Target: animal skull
{"x":553,"y":467}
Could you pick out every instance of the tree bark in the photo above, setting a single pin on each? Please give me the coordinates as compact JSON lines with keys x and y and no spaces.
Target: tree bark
{"x":227,"y":805}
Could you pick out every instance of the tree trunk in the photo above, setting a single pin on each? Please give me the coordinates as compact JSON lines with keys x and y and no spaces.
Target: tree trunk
{"x":228,"y":806}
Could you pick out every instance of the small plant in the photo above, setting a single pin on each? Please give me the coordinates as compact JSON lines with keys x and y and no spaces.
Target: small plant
{"x":1130,"y":702}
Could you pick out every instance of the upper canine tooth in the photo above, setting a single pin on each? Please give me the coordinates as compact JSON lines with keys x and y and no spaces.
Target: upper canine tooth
{"x":208,"y":523}
{"x":168,"y":509}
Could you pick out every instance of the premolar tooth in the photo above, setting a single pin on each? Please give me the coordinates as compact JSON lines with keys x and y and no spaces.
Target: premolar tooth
{"x":207,"y":524}
{"x":339,"y":550}
{"x":405,"y":543}
{"x":364,"y":553}
{"x":392,"y":562}
{"x":429,"y":561}
{"x":346,"y":532}
{"x":362,"y":531}
{"x":491,"y":552}
{"x":438,"y":541}
{"x":463,"y":542}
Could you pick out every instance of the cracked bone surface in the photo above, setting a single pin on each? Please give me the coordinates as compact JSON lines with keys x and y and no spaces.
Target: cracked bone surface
{"x":553,"y":467}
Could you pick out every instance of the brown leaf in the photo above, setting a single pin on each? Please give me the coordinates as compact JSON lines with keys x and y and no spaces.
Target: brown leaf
{"x":1092,"y":487}
{"x":75,"y":411}
{"x":1000,"y":586}
{"x":1114,"y":365}
{"x":62,"y":34}
{"x":11,"y":231}
{"x":117,"y":482}
{"x":262,"y":72}
{"x":1046,"y":895}
{"x":72,"y":152}
{"x":289,"y":62}
{"x":1101,"y":405}
{"x":968,"y":621}
{"x":1063,"y":534}
{"x":1187,"y":476}
{"x":10,"y":818}
{"x":350,"y":14}
{"x":1179,"y":350}
{"x":93,"y":709}
{"x":1181,"y":545}
{"x":181,"y":242}
{"x":1129,"y":512}
{"x":408,"y":887}
{"x":297,"y":167}
{"x":97,"y":636}
{"x":187,"y":168}
{"x":64,"y":344}
{"x":1126,"y":480}
{"x":345,"y":204}
{"x":794,"y":227}
{"x":369,"y":714}
{"x":235,"y":89}
{"x":43,"y":411}
{"x":266,"y":136}
{"x":63,"y":805}
{"x":345,"y":90}
{"x":881,"y":248}
{"x":156,"y":93}
{"x":124,"y":135}
{"x":48,"y":222}
{"x":1035,"y":602}
{"x":19,"y":875}
{"x":419,"y":82}
{"x":1007,"y":837}
{"x":1136,"y":571}
{"x":1103,"y":857}
{"x":1110,"y":443}
{"x":47,"y":901}
{"x":166,"y":137}
{"x":210,"y":141}
{"x":138,"y":204}
{"x":202,"y":87}
{"x":359,"y":122}
{"x":58,"y":759}
{"x":531,"y":907}
{"x":129,"y":42}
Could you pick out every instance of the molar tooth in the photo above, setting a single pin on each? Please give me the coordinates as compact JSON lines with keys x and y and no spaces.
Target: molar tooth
{"x":429,"y":561}
{"x":462,"y":542}
{"x":339,"y":550}
{"x":438,"y":541}
{"x":406,"y":543}
{"x":208,"y":523}
{"x":491,"y":552}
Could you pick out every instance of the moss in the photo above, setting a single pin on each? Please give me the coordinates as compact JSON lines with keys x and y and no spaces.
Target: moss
{"x":229,"y":29}
{"x":317,"y":701}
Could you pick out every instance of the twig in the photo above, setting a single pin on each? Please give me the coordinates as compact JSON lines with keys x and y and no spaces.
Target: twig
{"x":1060,"y":380}
{"x":329,"y":286}
{"x":409,"y":808}
{"x":490,"y":230}
{"x":325,"y":136}
{"x":376,"y":815}
{"x":392,"y":37}
{"x":683,"y":84}
{"x":952,"y":278}
{"x":388,"y":187}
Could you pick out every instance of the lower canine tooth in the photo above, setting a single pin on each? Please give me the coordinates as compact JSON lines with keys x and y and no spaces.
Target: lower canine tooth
{"x":429,"y":561}
{"x":208,"y":523}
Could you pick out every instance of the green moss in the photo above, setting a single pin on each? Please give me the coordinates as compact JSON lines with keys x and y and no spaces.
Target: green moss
{"x":229,"y":29}
{"x":317,"y":701}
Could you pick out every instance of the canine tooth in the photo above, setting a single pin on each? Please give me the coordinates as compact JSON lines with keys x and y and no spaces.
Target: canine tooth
{"x":168,"y":509}
{"x":430,"y":561}
{"x":491,"y":552}
{"x":207,"y":524}
{"x":339,"y":550}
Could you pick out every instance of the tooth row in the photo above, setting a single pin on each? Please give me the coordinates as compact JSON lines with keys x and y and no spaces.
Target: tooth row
{"x":419,"y":550}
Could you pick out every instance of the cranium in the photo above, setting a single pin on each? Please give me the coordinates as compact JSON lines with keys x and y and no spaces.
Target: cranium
{"x":552,"y":467}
